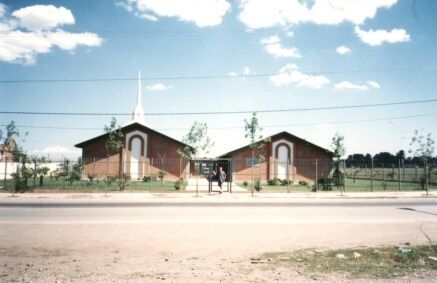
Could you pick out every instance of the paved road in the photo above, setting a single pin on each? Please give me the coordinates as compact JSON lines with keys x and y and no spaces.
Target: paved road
{"x":111,"y":240}
{"x":353,"y":212}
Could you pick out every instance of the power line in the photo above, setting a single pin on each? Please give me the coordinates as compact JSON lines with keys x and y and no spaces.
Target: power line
{"x":240,"y":127}
{"x":199,"y":77}
{"x":221,"y":112}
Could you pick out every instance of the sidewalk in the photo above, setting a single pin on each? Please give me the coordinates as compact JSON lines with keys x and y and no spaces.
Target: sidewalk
{"x":214,"y":197}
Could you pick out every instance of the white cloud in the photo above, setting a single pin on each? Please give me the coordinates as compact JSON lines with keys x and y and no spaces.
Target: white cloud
{"x":374,"y":84}
{"x":342,"y":50}
{"x":40,"y":17}
{"x":56,"y":151}
{"x":273,"y":46}
{"x":40,"y":34}
{"x":289,"y":33}
{"x":378,"y":37}
{"x":159,"y":87}
{"x":69,"y":41}
{"x":204,"y":13}
{"x":290,"y":74}
{"x":346,"y":85}
{"x":263,"y":14}
{"x":2,"y":10}
{"x":248,"y":72}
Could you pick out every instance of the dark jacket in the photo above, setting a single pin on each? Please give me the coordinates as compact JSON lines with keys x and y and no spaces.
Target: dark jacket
{"x":221,"y":176}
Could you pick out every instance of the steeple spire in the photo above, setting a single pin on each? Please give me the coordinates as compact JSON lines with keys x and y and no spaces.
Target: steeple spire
{"x":138,"y":115}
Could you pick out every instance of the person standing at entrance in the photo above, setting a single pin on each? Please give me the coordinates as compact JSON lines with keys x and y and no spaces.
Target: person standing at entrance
{"x":221,"y":177}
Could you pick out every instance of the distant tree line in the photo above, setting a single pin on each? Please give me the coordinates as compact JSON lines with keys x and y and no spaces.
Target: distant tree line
{"x":386,"y":159}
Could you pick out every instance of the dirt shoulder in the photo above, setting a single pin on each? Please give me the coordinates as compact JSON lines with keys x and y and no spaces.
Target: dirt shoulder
{"x":182,"y":253}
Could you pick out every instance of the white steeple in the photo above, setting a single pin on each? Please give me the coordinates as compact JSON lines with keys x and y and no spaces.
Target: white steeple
{"x":138,"y":114}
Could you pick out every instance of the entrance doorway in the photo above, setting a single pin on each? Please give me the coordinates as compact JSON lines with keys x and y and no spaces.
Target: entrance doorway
{"x":203,"y":171}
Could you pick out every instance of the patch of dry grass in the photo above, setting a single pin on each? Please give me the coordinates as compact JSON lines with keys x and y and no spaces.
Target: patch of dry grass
{"x":385,"y":262}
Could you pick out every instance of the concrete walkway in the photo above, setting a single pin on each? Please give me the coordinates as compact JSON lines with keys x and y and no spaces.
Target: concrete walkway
{"x":202,"y":185}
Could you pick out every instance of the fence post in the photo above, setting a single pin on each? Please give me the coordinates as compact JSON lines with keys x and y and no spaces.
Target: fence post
{"x":288,"y":175}
{"x":426,"y":176}
{"x":259,"y":172}
{"x":399,"y":175}
{"x":317,"y":175}
{"x":6,"y":169}
{"x":107,"y":179}
{"x":197,"y":181}
{"x":231,"y":174}
{"x":34,"y":175}
{"x":14,"y":186}
{"x":371,"y":173}
{"x":63,"y":173}
{"x":251,"y":173}
{"x":415,"y":170}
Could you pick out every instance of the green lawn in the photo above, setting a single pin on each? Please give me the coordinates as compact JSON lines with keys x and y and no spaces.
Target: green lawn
{"x":366,"y":185}
{"x":279,"y":188}
{"x":358,"y":185}
{"x":64,"y":184}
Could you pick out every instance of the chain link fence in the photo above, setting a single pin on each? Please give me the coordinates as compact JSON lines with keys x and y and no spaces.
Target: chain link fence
{"x":103,"y":174}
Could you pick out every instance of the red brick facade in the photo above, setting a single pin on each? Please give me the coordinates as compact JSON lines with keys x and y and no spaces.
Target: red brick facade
{"x":161,"y":155}
{"x":306,"y":162}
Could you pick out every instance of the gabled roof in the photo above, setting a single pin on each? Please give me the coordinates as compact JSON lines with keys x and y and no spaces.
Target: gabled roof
{"x":126,"y":128}
{"x":285,"y":134}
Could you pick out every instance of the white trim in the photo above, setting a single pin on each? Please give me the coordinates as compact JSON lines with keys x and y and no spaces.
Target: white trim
{"x":128,"y":136}
{"x":274,"y":146}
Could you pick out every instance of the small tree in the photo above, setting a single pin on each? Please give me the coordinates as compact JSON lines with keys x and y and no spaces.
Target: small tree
{"x":115,"y":137}
{"x":257,"y":144}
{"x":114,"y":143}
{"x":42,"y":172}
{"x":253,"y":133}
{"x":37,"y":170}
{"x":337,"y":146}
{"x":198,"y":141}
{"x":11,"y":141}
{"x":76,"y":171}
{"x":22,"y":175}
{"x":12,"y":136}
{"x":422,"y":147}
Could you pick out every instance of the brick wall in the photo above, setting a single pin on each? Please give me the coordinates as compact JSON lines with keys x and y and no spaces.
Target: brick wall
{"x":303,"y":167}
{"x":161,"y":155}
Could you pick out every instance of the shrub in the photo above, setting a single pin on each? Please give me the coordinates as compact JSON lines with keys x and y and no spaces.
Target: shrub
{"x":147,"y":179}
{"x":338,"y":177}
{"x":122,"y":182}
{"x":179,"y":184}
{"x":257,"y":185}
{"x":422,"y":181}
{"x":245,"y":183}
{"x":274,"y":182}
{"x":303,"y":183}
{"x":91,"y":177}
{"x":110,"y":179}
{"x":326,"y":183}
{"x":286,"y":182}
{"x":161,"y":175}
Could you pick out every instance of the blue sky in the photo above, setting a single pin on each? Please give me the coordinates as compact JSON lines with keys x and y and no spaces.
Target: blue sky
{"x":308,"y":47}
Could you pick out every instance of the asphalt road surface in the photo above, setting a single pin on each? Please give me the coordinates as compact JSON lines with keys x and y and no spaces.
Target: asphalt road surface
{"x":98,"y":235}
